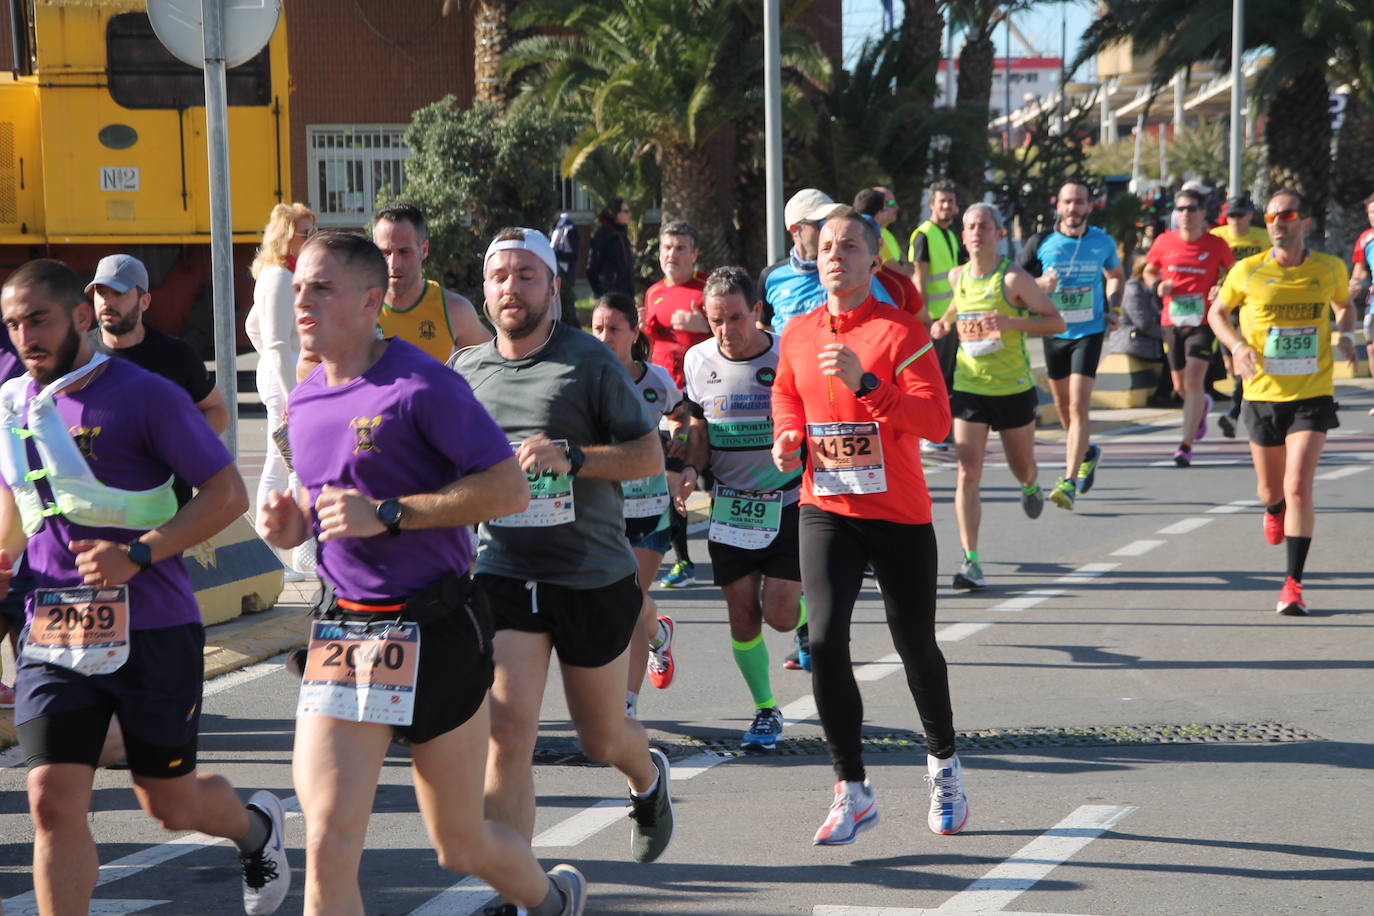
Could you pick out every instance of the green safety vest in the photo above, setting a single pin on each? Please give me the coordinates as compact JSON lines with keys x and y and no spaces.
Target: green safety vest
{"x":944,"y":257}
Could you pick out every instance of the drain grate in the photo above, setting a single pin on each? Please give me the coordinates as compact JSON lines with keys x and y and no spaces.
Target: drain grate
{"x":567,"y":752}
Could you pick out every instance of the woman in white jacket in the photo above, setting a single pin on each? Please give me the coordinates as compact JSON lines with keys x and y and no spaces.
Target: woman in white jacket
{"x":271,"y":327}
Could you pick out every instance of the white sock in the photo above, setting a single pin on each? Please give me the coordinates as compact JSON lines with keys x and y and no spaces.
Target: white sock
{"x":647,"y":793}
{"x":935,"y":764}
{"x":857,"y":788}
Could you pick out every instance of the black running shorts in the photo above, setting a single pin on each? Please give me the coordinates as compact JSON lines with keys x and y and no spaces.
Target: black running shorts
{"x":779,"y":560}
{"x":590,"y":627}
{"x":999,"y":411}
{"x":62,"y":716}
{"x":1078,"y":356}
{"x":1270,"y":422}
{"x":1183,"y":344}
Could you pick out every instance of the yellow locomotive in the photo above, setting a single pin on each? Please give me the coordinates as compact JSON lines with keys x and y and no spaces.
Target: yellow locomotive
{"x":102,"y":150}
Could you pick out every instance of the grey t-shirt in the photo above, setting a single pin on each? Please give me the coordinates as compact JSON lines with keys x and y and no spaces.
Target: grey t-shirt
{"x":573,"y":389}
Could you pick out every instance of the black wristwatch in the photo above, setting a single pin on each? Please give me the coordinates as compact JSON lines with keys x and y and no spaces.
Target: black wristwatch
{"x":576,"y":458}
{"x":140,"y":554}
{"x":389,"y":512}
{"x":867,"y":383}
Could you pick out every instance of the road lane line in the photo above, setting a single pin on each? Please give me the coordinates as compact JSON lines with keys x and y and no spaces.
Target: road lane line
{"x":243,"y":676}
{"x":1036,"y":859}
{"x":957,"y":631}
{"x":800,"y":710}
{"x":1029,"y":600}
{"x":1185,"y":526}
{"x":877,"y":670}
{"x":464,"y":897}
{"x":1239,"y":505}
{"x":587,"y":822}
{"x":1137,"y":548}
{"x":1342,"y":472}
{"x":1086,"y":572}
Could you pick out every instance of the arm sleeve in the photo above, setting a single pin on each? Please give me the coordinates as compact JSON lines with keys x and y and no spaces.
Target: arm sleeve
{"x":276,"y":321}
{"x":917,"y":401}
{"x":789,"y":413}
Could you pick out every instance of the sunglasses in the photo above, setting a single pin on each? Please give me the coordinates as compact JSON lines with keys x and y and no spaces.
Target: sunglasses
{"x":1283,"y":216}
{"x":892,"y":203}
{"x":1187,"y":208}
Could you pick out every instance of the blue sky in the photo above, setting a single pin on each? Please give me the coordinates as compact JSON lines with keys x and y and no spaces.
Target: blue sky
{"x":1041,"y":25}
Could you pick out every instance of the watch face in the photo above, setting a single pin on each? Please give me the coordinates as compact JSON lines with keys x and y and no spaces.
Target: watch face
{"x":389,"y":512}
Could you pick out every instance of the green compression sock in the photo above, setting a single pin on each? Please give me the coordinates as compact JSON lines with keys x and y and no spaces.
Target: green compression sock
{"x":801,"y":617}
{"x":752,"y":659}
{"x":972,"y":555}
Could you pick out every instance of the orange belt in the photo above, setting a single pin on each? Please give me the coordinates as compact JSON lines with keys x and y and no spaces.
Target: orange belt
{"x":367,"y":608}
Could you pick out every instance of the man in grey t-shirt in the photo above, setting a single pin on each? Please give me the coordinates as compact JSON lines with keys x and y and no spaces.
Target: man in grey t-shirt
{"x":560,"y":575}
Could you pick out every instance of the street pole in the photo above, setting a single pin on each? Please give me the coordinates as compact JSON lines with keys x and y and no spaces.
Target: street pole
{"x":772,"y":127}
{"x":1237,"y":96}
{"x":221,"y":223}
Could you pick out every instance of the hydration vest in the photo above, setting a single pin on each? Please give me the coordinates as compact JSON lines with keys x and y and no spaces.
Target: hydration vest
{"x":76,"y":493}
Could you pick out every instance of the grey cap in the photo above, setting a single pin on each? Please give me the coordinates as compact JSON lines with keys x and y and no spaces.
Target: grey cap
{"x":120,"y":272}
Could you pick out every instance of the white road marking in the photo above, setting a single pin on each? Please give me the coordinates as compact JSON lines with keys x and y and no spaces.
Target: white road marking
{"x":587,"y":822}
{"x":1028,"y":866}
{"x":876,"y":670}
{"x":1239,"y":505}
{"x":1342,"y":472}
{"x":464,"y":897}
{"x":144,"y":859}
{"x":1086,"y":572}
{"x":800,"y":710}
{"x":1184,"y":526}
{"x":243,"y":676}
{"x":1137,"y":548}
{"x":1036,"y":859}
{"x":957,"y":631}
{"x":1029,"y":600}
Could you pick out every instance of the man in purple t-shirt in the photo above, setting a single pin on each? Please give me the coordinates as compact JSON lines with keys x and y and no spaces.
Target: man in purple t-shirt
{"x":114,"y":629}
{"x":397,"y":459}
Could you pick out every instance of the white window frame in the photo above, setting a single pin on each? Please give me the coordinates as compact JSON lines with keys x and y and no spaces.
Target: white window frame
{"x":364,"y":148}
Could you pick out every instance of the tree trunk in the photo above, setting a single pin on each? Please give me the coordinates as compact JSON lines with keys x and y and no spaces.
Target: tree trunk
{"x":922,"y":32}
{"x":491,"y":36}
{"x":692,"y":192}
{"x":1299,"y":141}
{"x":968,"y":153}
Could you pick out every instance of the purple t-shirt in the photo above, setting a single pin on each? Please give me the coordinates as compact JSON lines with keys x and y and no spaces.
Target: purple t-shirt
{"x":136,"y":430}
{"x":408,"y":425}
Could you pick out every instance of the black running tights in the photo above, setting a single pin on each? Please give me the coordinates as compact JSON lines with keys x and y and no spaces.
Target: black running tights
{"x":834,"y":549}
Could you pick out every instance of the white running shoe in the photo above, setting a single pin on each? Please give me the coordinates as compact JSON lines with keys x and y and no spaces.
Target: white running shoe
{"x":948,"y":803}
{"x":849,"y":813}
{"x":266,"y":873}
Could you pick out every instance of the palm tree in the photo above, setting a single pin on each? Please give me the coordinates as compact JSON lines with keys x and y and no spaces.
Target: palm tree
{"x":661,"y":78}
{"x":1312,"y":42}
{"x":490,"y":37}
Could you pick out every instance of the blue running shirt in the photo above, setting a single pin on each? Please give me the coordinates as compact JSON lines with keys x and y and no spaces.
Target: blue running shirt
{"x":1079,"y":262}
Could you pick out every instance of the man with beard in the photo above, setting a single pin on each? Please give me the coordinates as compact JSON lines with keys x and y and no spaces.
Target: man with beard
{"x":86,"y":464}
{"x":1077,"y":265}
{"x":120,"y":293}
{"x":560,"y":576}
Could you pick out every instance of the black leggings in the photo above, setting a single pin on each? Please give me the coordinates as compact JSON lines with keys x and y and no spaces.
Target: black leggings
{"x":834,"y":549}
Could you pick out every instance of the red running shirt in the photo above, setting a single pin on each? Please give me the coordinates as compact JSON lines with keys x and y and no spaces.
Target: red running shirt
{"x":910,"y":403}
{"x":669,"y":345}
{"x":1194,"y":267}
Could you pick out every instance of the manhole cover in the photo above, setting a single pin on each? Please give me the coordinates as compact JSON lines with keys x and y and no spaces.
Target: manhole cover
{"x":567,"y":752}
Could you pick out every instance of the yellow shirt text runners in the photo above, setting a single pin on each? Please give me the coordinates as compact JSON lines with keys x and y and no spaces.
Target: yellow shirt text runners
{"x":1285,"y":315}
{"x":1243,"y":246}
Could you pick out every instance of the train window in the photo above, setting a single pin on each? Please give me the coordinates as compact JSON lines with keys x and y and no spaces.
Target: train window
{"x":144,"y":74}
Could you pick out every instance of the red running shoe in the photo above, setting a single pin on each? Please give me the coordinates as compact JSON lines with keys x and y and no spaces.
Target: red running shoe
{"x":1290,"y":599}
{"x":661,"y":655}
{"x":1273,"y":525}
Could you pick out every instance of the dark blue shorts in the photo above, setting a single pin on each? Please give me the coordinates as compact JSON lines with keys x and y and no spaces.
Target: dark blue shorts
{"x":62,"y":716}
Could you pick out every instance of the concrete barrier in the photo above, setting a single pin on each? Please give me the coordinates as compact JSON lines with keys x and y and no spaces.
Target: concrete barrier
{"x":233,"y":573}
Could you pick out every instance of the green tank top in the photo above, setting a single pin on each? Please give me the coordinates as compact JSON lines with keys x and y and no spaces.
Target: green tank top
{"x":989,"y":363}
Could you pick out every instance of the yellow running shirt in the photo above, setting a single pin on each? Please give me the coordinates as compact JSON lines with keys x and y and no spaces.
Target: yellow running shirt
{"x":424,"y":324}
{"x":1242,"y":246}
{"x":1285,"y":315}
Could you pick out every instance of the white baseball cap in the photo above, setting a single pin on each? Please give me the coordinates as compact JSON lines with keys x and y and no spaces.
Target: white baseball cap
{"x":811,"y":205}
{"x":534,"y":241}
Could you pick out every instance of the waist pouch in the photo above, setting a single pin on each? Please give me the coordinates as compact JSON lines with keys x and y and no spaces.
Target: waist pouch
{"x":445,"y":595}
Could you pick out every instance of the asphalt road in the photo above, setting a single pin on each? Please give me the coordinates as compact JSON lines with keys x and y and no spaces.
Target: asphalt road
{"x":1141,"y":733}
